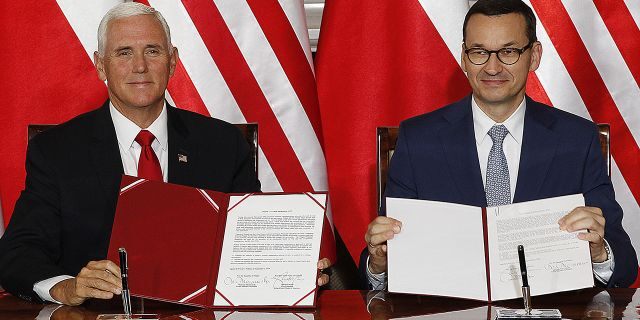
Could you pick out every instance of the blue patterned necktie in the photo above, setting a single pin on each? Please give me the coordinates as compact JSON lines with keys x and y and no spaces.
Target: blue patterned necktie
{"x":497,"y":188}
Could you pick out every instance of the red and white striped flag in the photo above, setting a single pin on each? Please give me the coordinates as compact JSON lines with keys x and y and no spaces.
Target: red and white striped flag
{"x":379,"y":62}
{"x":240,"y":61}
{"x":591,"y":67}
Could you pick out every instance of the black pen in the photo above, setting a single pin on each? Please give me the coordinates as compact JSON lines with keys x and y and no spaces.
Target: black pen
{"x":126,"y":298}
{"x":526,"y":294}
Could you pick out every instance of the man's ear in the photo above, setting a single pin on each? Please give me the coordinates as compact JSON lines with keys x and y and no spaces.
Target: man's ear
{"x":536,"y":56}
{"x":173,"y":61}
{"x":99,"y":64}
{"x":463,"y":62}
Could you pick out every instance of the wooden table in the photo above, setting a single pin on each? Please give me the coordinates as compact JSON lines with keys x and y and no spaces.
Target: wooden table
{"x":352,"y":305}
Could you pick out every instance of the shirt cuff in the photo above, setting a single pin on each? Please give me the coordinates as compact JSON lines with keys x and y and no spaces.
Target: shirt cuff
{"x":603,"y":270}
{"x":42,"y":288}
{"x":378,"y":281}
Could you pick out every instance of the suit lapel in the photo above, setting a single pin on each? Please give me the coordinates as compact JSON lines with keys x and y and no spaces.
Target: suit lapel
{"x":181,"y":151}
{"x":459,"y":144}
{"x":539,"y":144}
{"x":105,"y":154}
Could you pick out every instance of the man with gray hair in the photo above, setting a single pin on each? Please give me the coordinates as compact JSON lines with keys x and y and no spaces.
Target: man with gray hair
{"x":55,"y":245}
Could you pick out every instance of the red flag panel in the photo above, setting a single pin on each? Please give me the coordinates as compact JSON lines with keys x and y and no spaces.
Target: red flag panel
{"x":48,"y":78}
{"x":377,"y":63}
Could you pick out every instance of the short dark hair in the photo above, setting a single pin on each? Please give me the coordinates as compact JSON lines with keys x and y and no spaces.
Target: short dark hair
{"x":500,"y":7}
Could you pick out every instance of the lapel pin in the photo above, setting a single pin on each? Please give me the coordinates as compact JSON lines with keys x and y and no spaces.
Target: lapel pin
{"x":182,"y":158}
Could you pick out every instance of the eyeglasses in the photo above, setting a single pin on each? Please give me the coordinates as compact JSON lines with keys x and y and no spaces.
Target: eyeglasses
{"x":508,"y":56}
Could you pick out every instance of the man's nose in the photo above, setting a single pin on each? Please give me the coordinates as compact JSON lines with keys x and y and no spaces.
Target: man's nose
{"x":139,"y":63}
{"x":493,"y":65}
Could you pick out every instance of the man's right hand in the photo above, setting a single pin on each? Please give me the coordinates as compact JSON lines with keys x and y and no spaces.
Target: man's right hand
{"x":380,"y":230}
{"x":98,"y":279}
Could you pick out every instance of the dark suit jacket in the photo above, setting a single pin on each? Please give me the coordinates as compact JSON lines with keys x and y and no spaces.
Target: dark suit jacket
{"x":436,"y":159}
{"x":63,"y":218}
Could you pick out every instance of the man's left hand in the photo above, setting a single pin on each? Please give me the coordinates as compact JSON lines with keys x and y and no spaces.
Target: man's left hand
{"x":592,"y":220}
{"x":323,"y":279}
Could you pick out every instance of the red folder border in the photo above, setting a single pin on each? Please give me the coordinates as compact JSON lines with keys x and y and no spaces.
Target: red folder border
{"x":237,"y":203}
{"x":194,"y":294}
{"x":309,"y":194}
{"x":132,"y":185}
{"x":210,"y":201}
{"x":225,"y":298}
{"x":485,"y":235}
{"x":305,"y":296}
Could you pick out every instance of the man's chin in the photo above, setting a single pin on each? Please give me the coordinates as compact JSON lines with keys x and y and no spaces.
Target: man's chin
{"x":496,"y":100}
{"x":143,"y":100}
{"x":146,"y":105}
{"x":141,"y":104}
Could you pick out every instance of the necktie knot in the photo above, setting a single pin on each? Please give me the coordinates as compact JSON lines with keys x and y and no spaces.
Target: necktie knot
{"x":145,"y":138}
{"x":498,"y":133}
{"x":148,"y":164}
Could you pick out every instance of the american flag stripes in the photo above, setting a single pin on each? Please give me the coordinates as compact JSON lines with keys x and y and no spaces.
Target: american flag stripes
{"x":591,"y":67}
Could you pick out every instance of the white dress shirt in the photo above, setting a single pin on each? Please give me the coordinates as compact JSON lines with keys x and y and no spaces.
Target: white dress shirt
{"x":512,"y":145}
{"x":126,"y":132}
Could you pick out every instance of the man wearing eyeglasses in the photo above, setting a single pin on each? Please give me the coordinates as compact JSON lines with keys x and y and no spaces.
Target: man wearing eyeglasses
{"x":497,"y":146}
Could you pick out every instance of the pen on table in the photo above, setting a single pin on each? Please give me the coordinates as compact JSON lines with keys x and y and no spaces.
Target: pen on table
{"x":126,"y":298}
{"x":526,"y":294}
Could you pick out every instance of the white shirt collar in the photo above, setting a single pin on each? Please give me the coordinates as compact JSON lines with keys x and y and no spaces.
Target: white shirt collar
{"x":127,"y":130}
{"x":482,"y":123}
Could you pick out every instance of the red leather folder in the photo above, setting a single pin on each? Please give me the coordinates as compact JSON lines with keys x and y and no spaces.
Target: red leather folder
{"x":173,"y":235}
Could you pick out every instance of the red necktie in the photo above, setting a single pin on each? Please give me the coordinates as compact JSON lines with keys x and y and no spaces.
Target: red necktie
{"x":148,"y":165}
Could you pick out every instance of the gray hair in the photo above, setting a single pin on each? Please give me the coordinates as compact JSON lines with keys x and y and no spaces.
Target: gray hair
{"x":125,"y":10}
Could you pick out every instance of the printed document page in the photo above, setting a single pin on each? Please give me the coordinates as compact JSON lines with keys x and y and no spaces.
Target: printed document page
{"x":439,"y":251}
{"x":556,"y":260}
{"x":270,"y":250}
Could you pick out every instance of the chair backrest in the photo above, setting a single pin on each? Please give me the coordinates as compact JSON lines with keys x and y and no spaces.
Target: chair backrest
{"x":248,"y":130}
{"x":388,"y":136}
{"x":34,"y":129}
{"x":385,"y":146}
{"x":605,"y":144}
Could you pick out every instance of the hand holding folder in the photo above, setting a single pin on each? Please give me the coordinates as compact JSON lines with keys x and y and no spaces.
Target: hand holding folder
{"x":380,"y":230}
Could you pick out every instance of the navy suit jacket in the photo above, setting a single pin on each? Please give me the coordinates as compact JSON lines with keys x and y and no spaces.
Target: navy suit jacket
{"x":63,"y":218}
{"x":436,"y":159}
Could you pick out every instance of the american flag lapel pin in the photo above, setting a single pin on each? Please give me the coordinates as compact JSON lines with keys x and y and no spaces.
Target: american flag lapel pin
{"x":182,"y":158}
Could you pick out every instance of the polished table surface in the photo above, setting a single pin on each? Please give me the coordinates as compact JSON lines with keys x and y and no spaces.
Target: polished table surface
{"x":347,"y":304}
